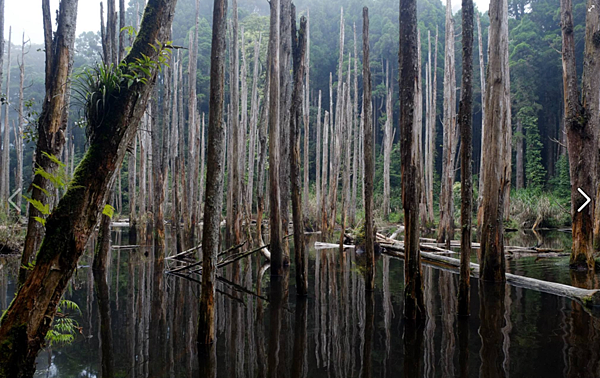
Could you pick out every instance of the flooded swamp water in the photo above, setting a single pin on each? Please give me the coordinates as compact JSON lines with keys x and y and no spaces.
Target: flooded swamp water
{"x":144,"y":322}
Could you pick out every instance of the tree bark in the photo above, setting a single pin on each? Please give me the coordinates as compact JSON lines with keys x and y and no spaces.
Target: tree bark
{"x":582,"y":138}
{"x":483,"y":118}
{"x":192,"y":201}
{"x":519,"y":141}
{"x":19,"y":131}
{"x":496,"y":173}
{"x":465,"y":118}
{"x":357,"y":132}
{"x":446,"y":227}
{"x":285,"y":81}
{"x":388,"y":142}
{"x":414,"y":304}
{"x":213,"y":204}
{"x":254,"y":106}
{"x":368,"y":160}
{"x":25,"y":324}
{"x":306,"y":111}
{"x":262,"y":153}
{"x":278,"y":258}
{"x":53,"y":118}
{"x":299,"y":42}
{"x":318,"y":159}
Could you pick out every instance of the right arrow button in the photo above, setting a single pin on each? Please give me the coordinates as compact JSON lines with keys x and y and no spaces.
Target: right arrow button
{"x":587,"y":200}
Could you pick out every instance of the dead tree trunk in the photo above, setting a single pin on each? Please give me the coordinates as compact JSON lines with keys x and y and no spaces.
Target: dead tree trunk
{"x":388,"y":142}
{"x":496,"y":173}
{"x":414,"y":304}
{"x":482,"y":156}
{"x":53,"y":118}
{"x":325,"y":171}
{"x":465,"y":118}
{"x":254,"y":106}
{"x":262,"y":152}
{"x":318,"y":160}
{"x":243,"y":130}
{"x":278,"y":259}
{"x":446,"y":227}
{"x":285,"y":98}
{"x":357,"y":132}
{"x":306,"y":110}
{"x":25,"y":324}
{"x":5,"y":187}
{"x":299,"y":42}
{"x":213,"y":204}
{"x":19,"y":131}
{"x":368,"y":160}
{"x":432,"y":129}
{"x":519,"y":140}
{"x":192,"y":200}
{"x":582,"y":129}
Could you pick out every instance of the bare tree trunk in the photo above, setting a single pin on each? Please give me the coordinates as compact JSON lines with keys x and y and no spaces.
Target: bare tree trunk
{"x":193,"y":122}
{"x":285,"y":69}
{"x":388,"y":141}
{"x":28,"y":319}
{"x":446,"y":227}
{"x":433,"y":127}
{"x":278,"y":258}
{"x":254,"y":106}
{"x":519,"y":139}
{"x":582,"y":130}
{"x":482,"y":157}
{"x":213,"y":204}
{"x":465,"y":118}
{"x":496,"y":173}
{"x":243,"y":131}
{"x":306,"y":110}
{"x":419,"y":131}
{"x":357,"y":132}
{"x":325,"y":176}
{"x":299,"y":42}
{"x":175,"y":143}
{"x":368,"y":160}
{"x":414,"y":304}
{"x":318,"y":160}
{"x":5,"y":188}
{"x":2,"y":62}
{"x":19,"y":131}
{"x":53,"y":118}
{"x":262,"y":152}
{"x":202,"y":173}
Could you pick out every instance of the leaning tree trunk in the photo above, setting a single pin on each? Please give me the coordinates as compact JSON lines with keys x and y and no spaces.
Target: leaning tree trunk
{"x":414,"y":304}
{"x":368,"y":160}
{"x":299,"y":51}
{"x":465,"y":119}
{"x":278,"y":258}
{"x":213,"y":204}
{"x":496,"y":173}
{"x":53,"y":118}
{"x":446,"y":227}
{"x":26,"y":322}
{"x":582,"y":130}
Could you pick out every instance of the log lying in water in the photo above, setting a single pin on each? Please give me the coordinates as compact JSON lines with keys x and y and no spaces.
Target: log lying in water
{"x":320,"y":245}
{"x":589,"y":298}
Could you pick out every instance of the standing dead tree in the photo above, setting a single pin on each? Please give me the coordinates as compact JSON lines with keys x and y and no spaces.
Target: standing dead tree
{"x":414,"y":304}
{"x":53,"y":118}
{"x":19,"y":129}
{"x":581,"y":124}
{"x":357,"y":135}
{"x":26,"y":322}
{"x":5,"y":183}
{"x":306,"y":111}
{"x":285,"y":100}
{"x":278,"y":259}
{"x":388,"y":142}
{"x":483,"y":113}
{"x":496,"y":171}
{"x":299,"y":42}
{"x":254,"y":106}
{"x":446,"y":227}
{"x":368,"y":159}
{"x":213,"y":205}
{"x":465,"y":119}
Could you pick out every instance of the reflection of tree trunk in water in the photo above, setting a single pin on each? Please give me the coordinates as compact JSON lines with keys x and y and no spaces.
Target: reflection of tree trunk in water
{"x":430,"y":349}
{"x":448,"y":297}
{"x":260,"y":335}
{"x":368,"y":344}
{"x":207,"y":359}
{"x":507,"y":329}
{"x":157,"y":316}
{"x":317,"y":307}
{"x":130,"y":313}
{"x":583,"y":335}
{"x":413,"y":348}
{"x":463,"y":345}
{"x":278,"y":295}
{"x":491,"y":314}
{"x":387,"y":311}
{"x":300,"y":356}
{"x":106,"y":340}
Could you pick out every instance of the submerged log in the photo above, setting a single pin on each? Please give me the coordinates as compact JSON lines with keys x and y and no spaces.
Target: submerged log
{"x":589,"y":298}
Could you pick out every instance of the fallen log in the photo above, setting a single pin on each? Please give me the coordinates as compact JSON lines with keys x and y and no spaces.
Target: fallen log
{"x":321,"y":245}
{"x":125,"y":246}
{"x":588,"y":298}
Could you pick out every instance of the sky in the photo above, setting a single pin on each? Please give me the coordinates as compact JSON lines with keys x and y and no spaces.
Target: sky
{"x":26,"y":16}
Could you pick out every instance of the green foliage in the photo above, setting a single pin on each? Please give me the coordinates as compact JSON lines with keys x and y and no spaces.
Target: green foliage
{"x":109,"y":211}
{"x":529,"y":207}
{"x":535,"y":173}
{"x":561,"y":182}
{"x":64,"y":328}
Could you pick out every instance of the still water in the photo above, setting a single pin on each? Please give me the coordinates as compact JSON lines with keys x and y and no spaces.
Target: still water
{"x":143,"y":322}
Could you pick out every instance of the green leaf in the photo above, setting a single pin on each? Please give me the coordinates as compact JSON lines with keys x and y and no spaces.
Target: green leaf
{"x":109,"y":211}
